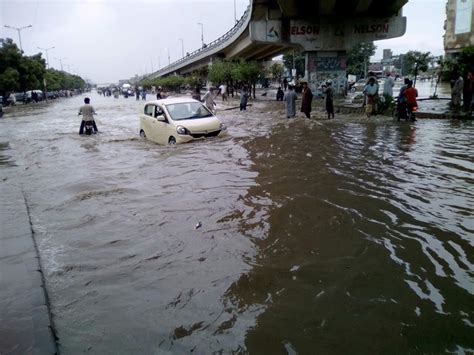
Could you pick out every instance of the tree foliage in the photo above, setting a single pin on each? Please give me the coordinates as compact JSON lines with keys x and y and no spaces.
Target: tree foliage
{"x":299,"y":62}
{"x":415,"y":62}
{"x":358,"y":58}
{"x":277,"y":70}
{"x":172,"y":82}
{"x":236,"y":73}
{"x":451,"y":68}
{"x":21,"y":73}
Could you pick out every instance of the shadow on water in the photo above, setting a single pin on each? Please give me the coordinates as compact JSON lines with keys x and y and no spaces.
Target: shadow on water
{"x":364,"y":240}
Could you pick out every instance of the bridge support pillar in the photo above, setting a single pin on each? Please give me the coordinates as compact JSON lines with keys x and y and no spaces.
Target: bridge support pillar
{"x":322,"y":66}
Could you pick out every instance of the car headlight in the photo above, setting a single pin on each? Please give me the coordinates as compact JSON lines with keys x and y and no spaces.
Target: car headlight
{"x":222,"y":127}
{"x":181,"y":130}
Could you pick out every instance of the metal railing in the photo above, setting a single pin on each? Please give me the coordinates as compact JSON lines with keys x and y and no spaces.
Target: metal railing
{"x":211,"y":46}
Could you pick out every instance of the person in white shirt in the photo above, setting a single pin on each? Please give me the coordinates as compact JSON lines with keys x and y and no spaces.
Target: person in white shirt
{"x":87,"y":111}
{"x":388,"y":85}
{"x":223,"y":91}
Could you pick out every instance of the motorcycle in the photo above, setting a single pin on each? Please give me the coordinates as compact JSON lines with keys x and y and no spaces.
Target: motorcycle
{"x":403,"y":111}
{"x":88,"y":127}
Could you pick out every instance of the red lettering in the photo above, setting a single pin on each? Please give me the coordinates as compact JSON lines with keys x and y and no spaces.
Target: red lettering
{"x":293,"y":30}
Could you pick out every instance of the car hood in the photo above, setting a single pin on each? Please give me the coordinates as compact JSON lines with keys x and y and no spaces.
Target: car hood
{"x":201,"y":125}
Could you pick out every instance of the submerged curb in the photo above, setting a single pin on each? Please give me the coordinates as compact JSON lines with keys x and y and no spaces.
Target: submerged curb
{"x":25,"y":319}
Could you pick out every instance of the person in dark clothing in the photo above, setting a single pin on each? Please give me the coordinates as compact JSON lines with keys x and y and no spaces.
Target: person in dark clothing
{"x":306,"y":100}
{"x":329,"y":100}
{"x":244,"y":97}
{"x":280,"y":94}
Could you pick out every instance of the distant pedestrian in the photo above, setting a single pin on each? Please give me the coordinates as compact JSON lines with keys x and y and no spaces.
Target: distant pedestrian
{"x":144,"y":94}
{"x":159,"y":94}
{"x":223,"y":92}
{"x":280,"y":94}
{"x":244,"y":97}
{"x":290,"y":102}
{"x":388,"y":85}
{"x":197,"y":93}
{"x":468,"y":91}
{"x":370,"y":92}
{"x":208,"y":100}
{"x":306,"y":100}
{"x":456,"y":93}
{"x":329,"y":99}
{"x":137,"y":94}
{"x":285,"y":84}
{"x":12,"y":99}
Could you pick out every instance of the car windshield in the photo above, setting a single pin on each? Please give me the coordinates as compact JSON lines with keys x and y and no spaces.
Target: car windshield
{"x":187,"y":110}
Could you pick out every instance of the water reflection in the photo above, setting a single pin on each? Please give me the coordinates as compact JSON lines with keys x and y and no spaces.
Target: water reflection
{"x":369,"y":240}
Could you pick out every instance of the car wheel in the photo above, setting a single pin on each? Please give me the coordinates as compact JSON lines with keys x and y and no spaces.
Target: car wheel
{"x":172,"y":141}
{"x":142,"y":133}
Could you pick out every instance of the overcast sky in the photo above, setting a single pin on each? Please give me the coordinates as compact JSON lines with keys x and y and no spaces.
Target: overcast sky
{"x":108,"y":40}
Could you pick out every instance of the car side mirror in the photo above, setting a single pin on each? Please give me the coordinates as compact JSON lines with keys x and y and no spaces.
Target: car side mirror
{"x":161,"y":118}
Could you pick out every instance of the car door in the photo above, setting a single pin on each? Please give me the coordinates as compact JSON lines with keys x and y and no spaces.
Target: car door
{"x":161,"y":128}
{"x":146,"y":120}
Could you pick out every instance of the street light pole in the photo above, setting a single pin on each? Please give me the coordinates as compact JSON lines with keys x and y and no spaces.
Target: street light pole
{"x":235,"y":13}
{"x":46,"y":51}
{"x":19,"y":32}
{"x":202,"y":33}
{"x":60,"y":62}
{"x":182,"y":46}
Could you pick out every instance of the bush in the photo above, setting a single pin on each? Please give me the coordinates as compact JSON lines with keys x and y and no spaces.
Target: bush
{"x":386,"y":104}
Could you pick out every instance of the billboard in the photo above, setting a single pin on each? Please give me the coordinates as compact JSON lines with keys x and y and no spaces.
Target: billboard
{"x":462,"y":22}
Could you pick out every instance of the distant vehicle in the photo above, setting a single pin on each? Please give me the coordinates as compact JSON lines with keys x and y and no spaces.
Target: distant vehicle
{"x":29,"y":95}
{"x":178,"y":120}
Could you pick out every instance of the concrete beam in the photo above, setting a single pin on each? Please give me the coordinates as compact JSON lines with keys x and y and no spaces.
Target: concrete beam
{"x":288,"y":8}
{"x":326,"y":7}
{"x":363,"y":6}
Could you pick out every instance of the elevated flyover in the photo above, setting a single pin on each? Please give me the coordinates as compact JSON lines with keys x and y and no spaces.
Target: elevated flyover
{"x":324,"y":29}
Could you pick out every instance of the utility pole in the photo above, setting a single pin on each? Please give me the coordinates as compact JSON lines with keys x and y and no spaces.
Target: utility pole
{"x":168,"y":51}
{"x":19,"y":32}
{"x":235,"y":13}
{"x":182,"y":46}
{"x":47,"y":57}
{"x":60,"y":62}
{"x":202,"y":33}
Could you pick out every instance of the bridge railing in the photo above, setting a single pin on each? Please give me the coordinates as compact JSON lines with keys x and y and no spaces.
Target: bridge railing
{"x":212,"y":45}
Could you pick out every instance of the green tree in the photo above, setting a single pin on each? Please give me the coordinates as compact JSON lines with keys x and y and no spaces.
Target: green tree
{"x":277,"y":71}
{"x":221,"y":72}
{"x":9,"y":81}
{"x":358,"y":58}
{"x":299,"y":62}
{"x":415,"y":62}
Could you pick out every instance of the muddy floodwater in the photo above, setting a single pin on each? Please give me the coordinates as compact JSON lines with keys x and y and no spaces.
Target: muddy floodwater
{"x":348,"y":236}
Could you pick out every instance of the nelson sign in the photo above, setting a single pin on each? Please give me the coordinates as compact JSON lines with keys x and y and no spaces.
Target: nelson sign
{"x":325,"y":36}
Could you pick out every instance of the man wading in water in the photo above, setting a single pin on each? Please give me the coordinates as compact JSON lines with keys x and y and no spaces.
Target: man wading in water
{"x":306,"y":102}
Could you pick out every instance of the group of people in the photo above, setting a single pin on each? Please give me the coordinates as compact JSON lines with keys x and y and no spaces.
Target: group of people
{"x":306,"y":101}
{"x":209,"y":97}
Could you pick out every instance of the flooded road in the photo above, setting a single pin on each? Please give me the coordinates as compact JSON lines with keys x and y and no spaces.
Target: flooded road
{"x":342,"y":236}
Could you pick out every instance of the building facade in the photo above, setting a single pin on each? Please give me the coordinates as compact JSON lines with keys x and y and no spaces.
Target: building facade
{"x":459,"y":26}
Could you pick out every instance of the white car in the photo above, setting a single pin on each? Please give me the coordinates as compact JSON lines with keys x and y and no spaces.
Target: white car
{"x":178,"y":120}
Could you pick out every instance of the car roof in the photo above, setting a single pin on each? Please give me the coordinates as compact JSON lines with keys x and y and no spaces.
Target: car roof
{"x":174,"y":100}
